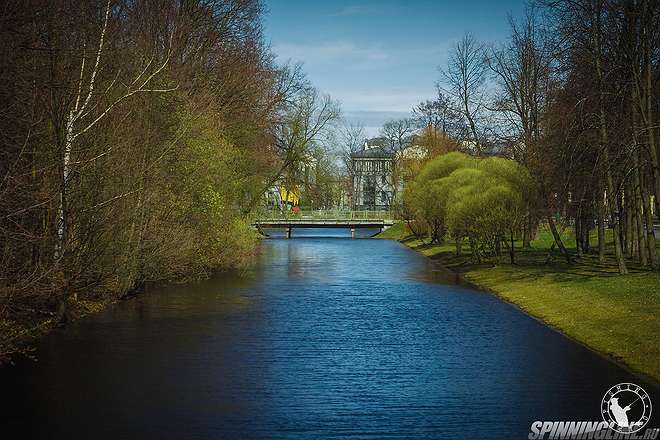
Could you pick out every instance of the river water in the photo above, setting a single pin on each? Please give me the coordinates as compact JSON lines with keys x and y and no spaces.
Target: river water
{"x":325,"y":337}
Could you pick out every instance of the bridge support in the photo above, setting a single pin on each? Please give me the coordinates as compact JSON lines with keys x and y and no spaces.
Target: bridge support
{"x":288,"y":232}
{"x":352,"y":232}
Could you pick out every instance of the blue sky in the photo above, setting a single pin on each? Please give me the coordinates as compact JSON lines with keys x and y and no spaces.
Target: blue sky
{"x":379,"y":58}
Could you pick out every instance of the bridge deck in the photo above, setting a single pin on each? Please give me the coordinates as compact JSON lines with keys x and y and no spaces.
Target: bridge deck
{"x":325,"y":223}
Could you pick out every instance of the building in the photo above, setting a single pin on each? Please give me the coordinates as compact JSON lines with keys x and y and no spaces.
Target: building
{"x":372,"y":173}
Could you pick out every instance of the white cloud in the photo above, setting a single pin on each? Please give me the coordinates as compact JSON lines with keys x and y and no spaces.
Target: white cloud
{"x":381,"y":100}
{"x":329,"y":52}
{"x":372,"y":121}
{"x":369,"y":77}
{"x":355,"y":57}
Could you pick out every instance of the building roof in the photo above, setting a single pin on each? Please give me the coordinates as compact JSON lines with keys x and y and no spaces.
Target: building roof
{"x":373,"y":153}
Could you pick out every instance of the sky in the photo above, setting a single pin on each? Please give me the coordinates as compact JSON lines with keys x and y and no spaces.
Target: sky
{"x":379,"y":58}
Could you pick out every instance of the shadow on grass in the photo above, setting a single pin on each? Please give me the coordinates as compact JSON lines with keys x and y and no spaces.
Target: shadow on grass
{"x":530,"y":263}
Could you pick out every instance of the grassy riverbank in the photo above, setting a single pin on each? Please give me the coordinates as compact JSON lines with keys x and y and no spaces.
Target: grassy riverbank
{"x":617,"y":315}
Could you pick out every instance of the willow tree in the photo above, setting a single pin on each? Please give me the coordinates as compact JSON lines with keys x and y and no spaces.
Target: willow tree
{"x":425,"y":198}
{"x":482,"y":200}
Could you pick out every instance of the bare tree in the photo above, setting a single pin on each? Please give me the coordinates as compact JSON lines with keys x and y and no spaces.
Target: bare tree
{"x":436,"y":114}
{"x":522,"y":67}
{"x":351,"y":138}
{"x":398,"y":133}
{"x":306,"y":120}
{"x":463,"y":80}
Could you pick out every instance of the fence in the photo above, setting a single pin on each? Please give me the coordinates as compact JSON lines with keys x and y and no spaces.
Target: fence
{"x":329,"y":214}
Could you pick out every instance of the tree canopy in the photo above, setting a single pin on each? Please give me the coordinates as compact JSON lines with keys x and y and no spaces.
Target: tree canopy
{"x":484,"y":200}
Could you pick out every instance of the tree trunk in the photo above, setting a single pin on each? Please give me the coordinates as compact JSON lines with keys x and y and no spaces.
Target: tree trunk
{"x":528,"y":232}
{"x":578,"y":233}
{"x":587,"y":233}
{"x":601,"y":228}
{"x":651,"y":126}
{"x":512,"y":251}
{"x":641,"y":246}
{"x":627,"y":215}
{"x":614,"y":216}
{"x":611,"y":193}
{"x":476,"y":255}
{"x":650,"y":234}
{"x":557,"y":238}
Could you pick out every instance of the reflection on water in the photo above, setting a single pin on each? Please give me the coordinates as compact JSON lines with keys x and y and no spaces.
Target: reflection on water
{"x":323,"y":338}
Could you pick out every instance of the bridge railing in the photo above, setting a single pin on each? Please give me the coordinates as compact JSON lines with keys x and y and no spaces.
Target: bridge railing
{"x":328,"y":214}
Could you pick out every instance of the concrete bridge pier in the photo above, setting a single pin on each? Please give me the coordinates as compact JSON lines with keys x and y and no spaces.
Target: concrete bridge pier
{"x":353,"y":232}
{"x":288,"y":232}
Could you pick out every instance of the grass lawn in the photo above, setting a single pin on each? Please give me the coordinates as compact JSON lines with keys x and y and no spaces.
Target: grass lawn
{"x":618,"y":315}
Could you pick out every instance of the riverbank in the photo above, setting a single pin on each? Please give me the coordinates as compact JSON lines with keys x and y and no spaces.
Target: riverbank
{"x":616,"y":315}
{"x":19,"y":334}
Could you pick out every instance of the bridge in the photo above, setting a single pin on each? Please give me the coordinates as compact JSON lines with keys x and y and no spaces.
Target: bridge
{"x":327,"y":219}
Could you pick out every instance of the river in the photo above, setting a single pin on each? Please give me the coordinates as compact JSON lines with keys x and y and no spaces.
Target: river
{"x":325,"y":337}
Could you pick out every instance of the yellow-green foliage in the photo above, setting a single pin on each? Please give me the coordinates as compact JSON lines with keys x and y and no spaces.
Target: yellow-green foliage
{"x":483,"y":199}
{"x":425,"y":197}
{"x":484,"y":214}
{"x":217,"y":183}
{"x":203,"y":227}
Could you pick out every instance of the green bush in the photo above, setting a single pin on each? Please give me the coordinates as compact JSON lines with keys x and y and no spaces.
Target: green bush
{"x":482,"y":199}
